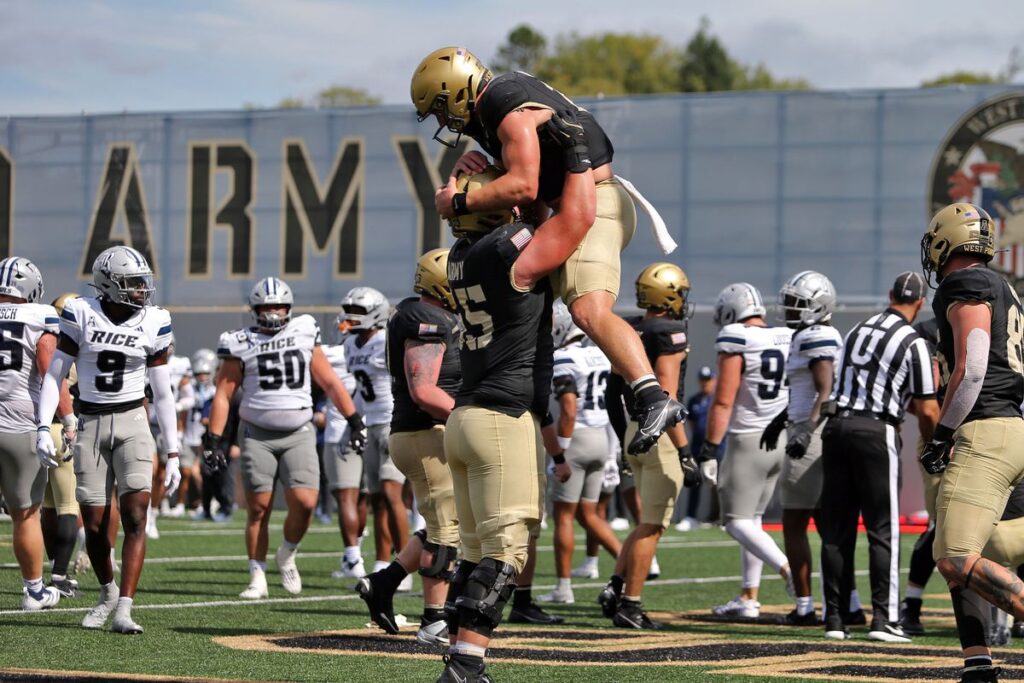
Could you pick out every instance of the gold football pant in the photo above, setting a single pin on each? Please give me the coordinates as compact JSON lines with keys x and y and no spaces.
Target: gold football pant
{"x":60,"y":481}
{"x":659,"y":478}
{"x":987,"y":462}
{"x":496,"y":466}
{"x":420,"y":457}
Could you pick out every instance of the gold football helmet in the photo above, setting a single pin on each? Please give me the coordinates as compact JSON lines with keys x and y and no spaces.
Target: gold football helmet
{"x":484,"y":222}
{"x":59,"y":302}
{"x":959,"y":228}
{"x":446,"y":84}
{"x":664,"y":287}
{"x":432,"y":277}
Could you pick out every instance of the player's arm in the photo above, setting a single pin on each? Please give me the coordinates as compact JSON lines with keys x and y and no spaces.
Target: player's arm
{"x":163,"y":400}
{"x":45,"y":348}
{"x":422,"y":361}
{"x":666,"y":370}
{"x":730,"y":371}
{"x":566,"y":392}
{"x":53,"y":385}
{"x":822,"y":373}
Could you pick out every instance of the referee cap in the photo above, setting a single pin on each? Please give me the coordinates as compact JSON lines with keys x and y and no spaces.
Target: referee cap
{"x":908,"y":288}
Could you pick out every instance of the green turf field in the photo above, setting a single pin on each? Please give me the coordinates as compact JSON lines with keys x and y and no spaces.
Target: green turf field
{"x":197,"y":627}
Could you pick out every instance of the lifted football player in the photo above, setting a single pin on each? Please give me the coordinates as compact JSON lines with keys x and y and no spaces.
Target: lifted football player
{"x":423,"y":359}
{"x":273,"y":363}
{"x":981,"y":357}
{"x":581,"y":243}
{"x":115,"y":339}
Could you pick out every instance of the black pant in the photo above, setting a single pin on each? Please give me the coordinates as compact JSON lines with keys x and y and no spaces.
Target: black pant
{"x":861,"y":467}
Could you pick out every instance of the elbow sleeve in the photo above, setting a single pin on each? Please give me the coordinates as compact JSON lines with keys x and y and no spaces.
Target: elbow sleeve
{"x":163,"y":404}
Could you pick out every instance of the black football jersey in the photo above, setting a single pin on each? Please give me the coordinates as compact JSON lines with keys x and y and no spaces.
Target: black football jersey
{"x":509,"y":92}
{"x":506,"y":352}
{"x":1003,"y":389}
{"x":929,"y":331}
{"x":661,"y":336}
{"x":416,"y":321}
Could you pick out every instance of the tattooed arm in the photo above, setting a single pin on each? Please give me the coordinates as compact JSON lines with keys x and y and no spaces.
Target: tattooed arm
{"x":422,"y":368}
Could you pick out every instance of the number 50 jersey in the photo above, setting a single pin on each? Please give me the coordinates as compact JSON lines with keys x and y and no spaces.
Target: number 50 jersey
{"x":112,"y":357}
{"x":763,"y":391}
{"x":275,"y":367}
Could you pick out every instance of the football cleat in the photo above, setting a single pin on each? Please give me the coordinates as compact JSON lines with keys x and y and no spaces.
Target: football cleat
{"x":379,"y":602}
{"x":563,"y":597}
{"x":45,"y":599}
{"x":794,"y":618}
{"x":587,"y":570}
{"x":532,"y":614}
{"x":855,"y":618}
{"x":632,"y":615}
{"x":257,"y":588}
{"x":838,"y":634}
{"x":609,"y":601}
{"x":123,"y":622}
{"x":68,"y":588}
{"x":463,"y":669}
{"x":739,"y":608}
{"x":910,"y":617}
{"x":981,"y":674}
{"x":290,"y":579}
{"x":654,"y":419}
{"x":434,"y":633}
{"x":887,"y":633}
{"x":350,"y":570}
{"x":96,"y":618}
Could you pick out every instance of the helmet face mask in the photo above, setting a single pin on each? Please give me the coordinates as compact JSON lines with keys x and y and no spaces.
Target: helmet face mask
{"x":808,"y":298}
{"x":122,"y":276}
{"x":21,"y":279}
{"x":270,"y":303}
{"x":664,"y":287}
{"x":272,"y":316}
{"x":364,"y":309}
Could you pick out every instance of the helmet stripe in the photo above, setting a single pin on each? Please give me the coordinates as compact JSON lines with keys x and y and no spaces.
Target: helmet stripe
{"x":4,"y":265}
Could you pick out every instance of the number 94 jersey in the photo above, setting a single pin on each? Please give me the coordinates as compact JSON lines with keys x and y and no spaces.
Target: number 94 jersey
{"x":112,"y":357}
{"x":275,"y":367}
{"x":763,"y":391}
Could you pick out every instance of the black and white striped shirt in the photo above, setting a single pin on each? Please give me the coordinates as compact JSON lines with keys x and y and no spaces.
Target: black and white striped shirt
{"x":885,"y":363}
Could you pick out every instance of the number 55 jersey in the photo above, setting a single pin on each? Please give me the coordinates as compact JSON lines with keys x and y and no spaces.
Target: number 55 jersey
{"x":763,"y":391}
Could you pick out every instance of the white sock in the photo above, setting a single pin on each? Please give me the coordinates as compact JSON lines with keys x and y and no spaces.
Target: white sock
{"x":591,"y":561}
{"x":352,"y":554}
{"x":854,"y":600}
{"x":564,"y":585}
{"x":34,"y":585}
{"x":750,"y":568}
{"x":125,"y":604}
{"x":804,"y":605}
{"x":915,"y":592}
{"x":289,"y":547}
{"x":378,"y":565}
{"x":108,"y":589}
{"x":751,"y":536}
{"x":462,"y":648}
{"x":57,"y":577}
{"x":257,"y":566}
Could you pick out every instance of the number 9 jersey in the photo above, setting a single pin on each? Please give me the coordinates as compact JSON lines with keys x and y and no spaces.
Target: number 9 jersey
{"x":113,"y":357}
{"x":275,"y":366}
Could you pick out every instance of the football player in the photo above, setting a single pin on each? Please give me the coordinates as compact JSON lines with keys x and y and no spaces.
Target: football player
{"x":28,"y":337}
{"x":661,"y":291}
{"x":273,"y":362}
{"x":203,"y":367}
{"x":581,"y":242}
{"x":981,"y":356}
{"x":751,"y":390}
{"x":806,"y":303}
{"x":115,"y":339}
{"x":423,"y":358}
{"x":581,"y":373}
{"x":366,"y":311}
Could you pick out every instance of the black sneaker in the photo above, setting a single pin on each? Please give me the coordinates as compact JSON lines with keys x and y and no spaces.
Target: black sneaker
{"x":890,"y":632}
{"x":794,"y":618}
{"x":980,"y":674}
{"x":653,"y":420}
{"x":609,"y":601}
{"x":379,"y":602}
{"x":463,"y":669}
{"x":68,"y":588}
{"x":835,"y":629}
{"x":632,"y":615}
{"x":532,"y":614}
{"x":857,"y":618}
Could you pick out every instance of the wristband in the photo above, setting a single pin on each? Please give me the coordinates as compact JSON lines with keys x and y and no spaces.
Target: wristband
{"x":559,"y":459}
{"x":564,"y":441}
{"x":943,"y":433}
{"x":42,"y":428}
{"x":459,"y":204}
{"x":69,"y":421}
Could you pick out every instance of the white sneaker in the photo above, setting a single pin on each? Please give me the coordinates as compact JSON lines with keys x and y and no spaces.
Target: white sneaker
{"x":738,"y":607}
{"x":619,"y":524}
{"x":151,"y":530}
{"x":564,"y":597}
{"x":177,"y":511}
{"x":837,"y":635}
{"x":655,"y":570}
{"x":257,"y":587}
{"x":587,"y":570}
{"x":687,"y":524}
{"x":290,"y":579}
{"x":406,"y":584}
{"x":44,"y":599}
{"x":123,"y":622}
{"x":888,"y":633}
{"x":350,"y":570}
{"x":96,"y":618}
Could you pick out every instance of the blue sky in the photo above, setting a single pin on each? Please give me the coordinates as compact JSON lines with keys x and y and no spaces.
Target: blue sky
{"x":113,"y":55}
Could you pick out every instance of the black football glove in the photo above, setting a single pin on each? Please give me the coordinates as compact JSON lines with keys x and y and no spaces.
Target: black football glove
{"x":568,"y":132}
{"x":357,"y":433}
{"x":624,"y":469}
{"x":770,"y":437}
{"x":935,"y":456}
{"x":708,"y":462}
{"x":691,"y":471}
{"x":215,"y":459}
{"x":800,"y":440}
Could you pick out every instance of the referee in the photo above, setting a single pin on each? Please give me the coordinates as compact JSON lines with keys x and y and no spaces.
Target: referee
{"x":885,"y":366}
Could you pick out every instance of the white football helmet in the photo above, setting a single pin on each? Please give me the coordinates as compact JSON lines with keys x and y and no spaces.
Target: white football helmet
{"x":808,"y":298}
{"x":20,"y":278}
{"x":270,"y":290}
{"x":122,"y":275}
{"x":737,"y":302}
{"x":365,"y":308}
{"x":204,"y":361}
{"x":563,"y":330}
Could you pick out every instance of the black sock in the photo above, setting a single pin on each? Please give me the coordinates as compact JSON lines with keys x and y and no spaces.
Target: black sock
{"x":523,"y":597}
{"x":648,"y":392}
{"x":912,"y":607}
{"x":627,"y":602}
{"x":617,"y":583}
{"x":432,"y":614}
{"x":67,"y":534}
{"x":979,"y":660}
{"x":392,"y":575}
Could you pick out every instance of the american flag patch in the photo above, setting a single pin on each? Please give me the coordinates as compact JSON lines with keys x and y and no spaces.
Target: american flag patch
{"x":428,"y":328}
{"x":522,"y":238}
{"x":678,"y":337}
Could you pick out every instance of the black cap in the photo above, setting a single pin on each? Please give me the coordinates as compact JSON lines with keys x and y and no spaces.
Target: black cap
{"x":706,"y":373}
{"x":908,"y":288}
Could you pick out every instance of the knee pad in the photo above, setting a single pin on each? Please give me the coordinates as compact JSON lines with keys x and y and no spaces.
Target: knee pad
{"x":456,"y":585}
{"x":442,"y":559}
{"x":488,"y":589}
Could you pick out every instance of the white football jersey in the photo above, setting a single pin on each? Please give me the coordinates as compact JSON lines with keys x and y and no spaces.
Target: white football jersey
{"x":589,"y":368}
{"x":336,"y":424}
{"x":194,"y":428}
{"x":21,"y":326}
{"x":763,"y":391}
{"x":275,"y":366}
{"x":112,"y":357}
{"x":368,"y":364}
{"x":809,"y":344}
